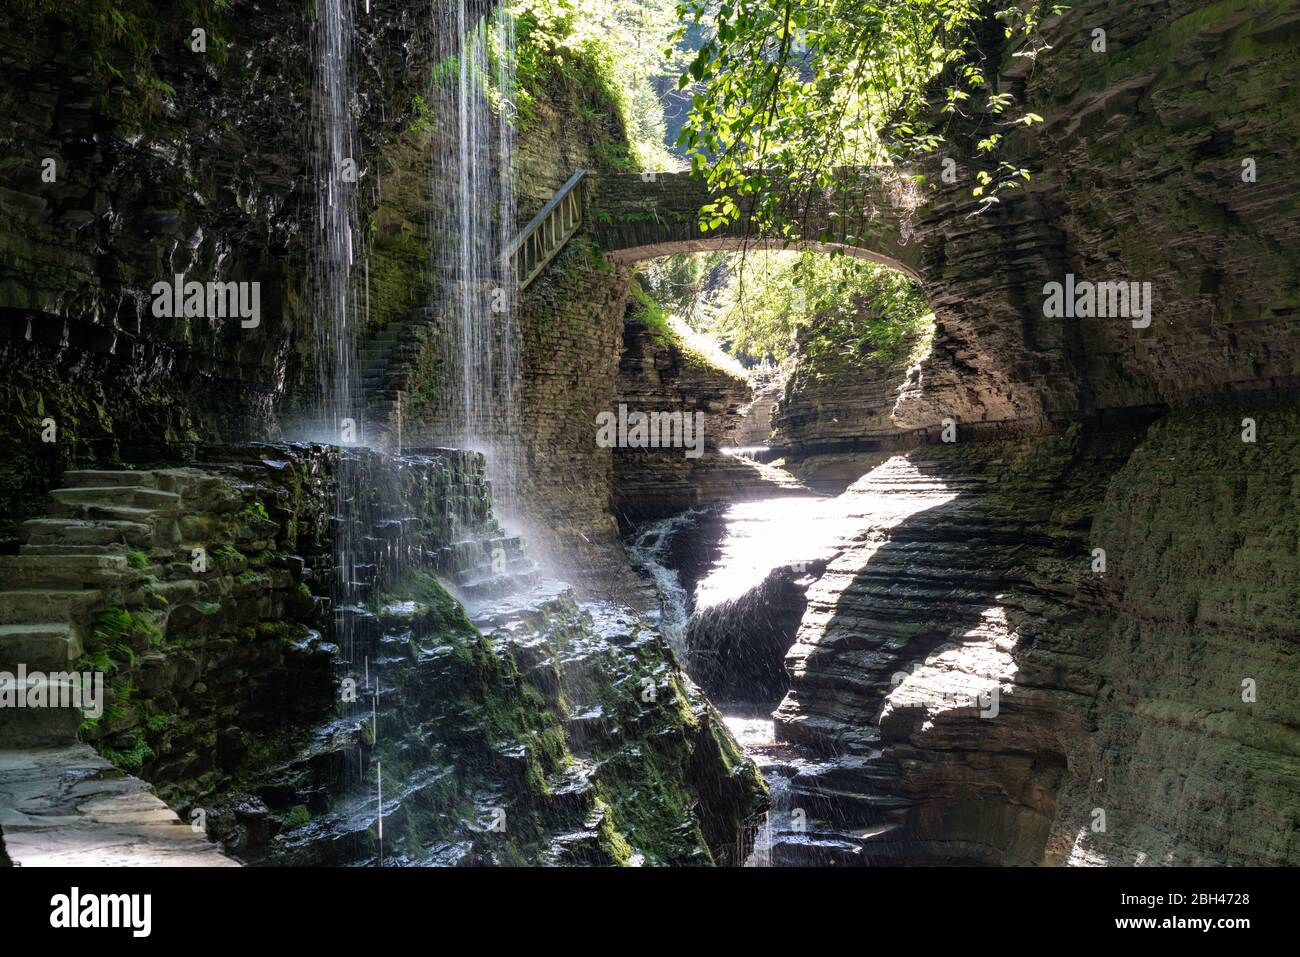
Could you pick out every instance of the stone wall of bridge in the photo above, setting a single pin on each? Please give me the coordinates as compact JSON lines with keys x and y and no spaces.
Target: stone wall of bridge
{"x":640,"y":216}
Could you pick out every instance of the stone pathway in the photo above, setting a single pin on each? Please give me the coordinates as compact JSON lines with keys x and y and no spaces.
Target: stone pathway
{"x":68,"y":807}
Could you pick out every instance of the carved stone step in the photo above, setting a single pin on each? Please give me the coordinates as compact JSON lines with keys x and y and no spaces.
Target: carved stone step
{"x":23,"y":606}
{"x":42,"y":727}
{"x":97,"y":478}
{"x":71,"y":531}
{"x":51,"y":646}
{"x":135,"y":496}
{"x":163,"y":532}
{"x":74,"y":549}
{"x":27,"y":570}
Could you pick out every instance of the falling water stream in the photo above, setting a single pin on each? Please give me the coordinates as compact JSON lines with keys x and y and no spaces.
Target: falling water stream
{"x":472,"y":222}
{"x":473,"y":217}
{"x":335,"y":166}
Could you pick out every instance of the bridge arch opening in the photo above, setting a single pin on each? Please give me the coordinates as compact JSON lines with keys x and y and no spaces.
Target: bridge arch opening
{"x":637,"y":218}
{"x":761,"y":308}
{"x":636,"y":255}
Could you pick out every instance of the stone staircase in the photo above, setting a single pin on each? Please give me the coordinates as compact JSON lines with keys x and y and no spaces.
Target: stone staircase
{"x":81,"y":558}
{"x":386,"y":363}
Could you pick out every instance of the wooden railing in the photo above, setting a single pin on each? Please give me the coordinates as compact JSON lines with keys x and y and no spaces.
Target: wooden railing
{"x":545,"y":234}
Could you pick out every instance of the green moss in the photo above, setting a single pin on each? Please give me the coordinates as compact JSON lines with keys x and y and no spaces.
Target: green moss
{"x":645,"y":310}
{"x":132,"y":757}
{"x":226,"y":558}
{"x":121,"y":40}
{"x":286,"y":632}
{"x":435,"y":613}
{"x":655,"y":806}
{"x":298,"y":816}
{"x":613,"y":842}
{"x":255,"y":509}
{"x":137,"y":559}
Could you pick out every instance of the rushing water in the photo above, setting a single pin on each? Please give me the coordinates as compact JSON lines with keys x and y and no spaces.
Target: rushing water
{"x":474,"y":218}
{"x":336,"y":309}
{"x":710,"y":567}
{"x":649,"y":551}
{"x":334,"y":166}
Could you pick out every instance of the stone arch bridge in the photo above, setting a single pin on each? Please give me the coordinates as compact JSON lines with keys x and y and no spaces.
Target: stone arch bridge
{"x":639,"y":216}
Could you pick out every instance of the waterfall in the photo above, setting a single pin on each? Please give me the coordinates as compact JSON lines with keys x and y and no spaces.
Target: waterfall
{"x":335,"y":168}
{"x":473,"y":168}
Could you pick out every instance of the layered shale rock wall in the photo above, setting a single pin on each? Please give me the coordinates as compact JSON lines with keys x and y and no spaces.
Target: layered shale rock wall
{"x":165,"y":161}
{"x":994,"y":698}
{"x":1138,"y":175}
{"x":833,"y":419}
{"x":531,"y":734}
{"x":572,"y":322}
{"x":756,"y":425}
{"x":833,"y":400}
{"x":658,"y":373}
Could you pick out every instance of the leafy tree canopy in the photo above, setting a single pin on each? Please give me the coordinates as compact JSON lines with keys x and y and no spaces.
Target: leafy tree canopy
{"x":624,"y":40}
{"x":802,"y":93}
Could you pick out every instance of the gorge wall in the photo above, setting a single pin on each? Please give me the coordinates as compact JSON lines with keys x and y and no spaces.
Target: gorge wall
{"x":658,"y":372}
{"x":1133,"y":690}
{"x":833,"y":419}
{"x":1138,"y":175}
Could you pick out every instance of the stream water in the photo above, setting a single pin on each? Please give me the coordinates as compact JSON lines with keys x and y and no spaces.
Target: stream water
{"x":731,"y":581}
